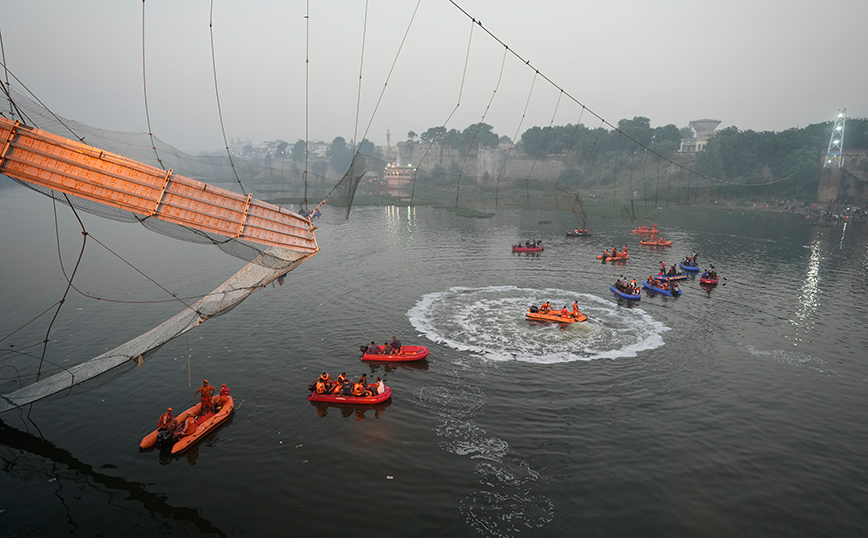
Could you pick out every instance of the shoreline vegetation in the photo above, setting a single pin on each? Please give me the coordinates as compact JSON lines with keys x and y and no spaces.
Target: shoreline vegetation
{"x":808,"y":214}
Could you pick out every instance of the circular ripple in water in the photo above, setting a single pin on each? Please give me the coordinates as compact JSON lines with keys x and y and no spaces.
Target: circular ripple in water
{"x":491,"y":321}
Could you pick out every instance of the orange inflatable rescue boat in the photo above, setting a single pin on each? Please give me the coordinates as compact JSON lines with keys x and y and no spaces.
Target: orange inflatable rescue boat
{"x":556,"y":317}
{"x":204,"y":424}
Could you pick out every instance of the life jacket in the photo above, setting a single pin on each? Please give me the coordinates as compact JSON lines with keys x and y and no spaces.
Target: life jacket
{"x":320,"y":387}
{"x":165,"y":420}
{"x":342,"y":379}
{"x":187,"y":427}
{"x":224,"y":391}
{"x":358,"y":390}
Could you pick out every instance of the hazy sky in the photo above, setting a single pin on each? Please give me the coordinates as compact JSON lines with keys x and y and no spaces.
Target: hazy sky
{"x":754,"y":64}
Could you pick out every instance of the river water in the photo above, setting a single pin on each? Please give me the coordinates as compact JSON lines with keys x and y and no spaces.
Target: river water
{"x":733,"y":411}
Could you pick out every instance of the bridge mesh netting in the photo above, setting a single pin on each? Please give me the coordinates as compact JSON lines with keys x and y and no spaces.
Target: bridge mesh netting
{"x":267,"y":263}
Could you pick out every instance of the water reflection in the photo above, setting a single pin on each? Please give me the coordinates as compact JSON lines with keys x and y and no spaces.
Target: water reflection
{"x":808,"y":294}
{"x":27,"y":457}
{"x":347,"y":410}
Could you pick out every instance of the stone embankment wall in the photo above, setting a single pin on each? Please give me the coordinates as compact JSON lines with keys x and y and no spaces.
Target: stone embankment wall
{"x":485,"y":165}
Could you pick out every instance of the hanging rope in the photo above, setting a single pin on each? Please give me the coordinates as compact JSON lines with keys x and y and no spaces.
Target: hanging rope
{"x":6,"y":73}
{"x":602,"y":120}
{"x":145,"y":93}
{"x":542,"y":145}
{"x":457,"y":104}
{"x":512,"y":145}
{"x":379,"y":100}
{"x":69,"y":285}
{"x":306,"y":98}
{"x":217,"y":94}
{"x":479,"y":125}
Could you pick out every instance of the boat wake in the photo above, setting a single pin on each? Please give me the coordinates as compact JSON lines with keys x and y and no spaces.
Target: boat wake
{"x":491,"y":322}
{"x":795,"y":359}
{"x":507,"y":505}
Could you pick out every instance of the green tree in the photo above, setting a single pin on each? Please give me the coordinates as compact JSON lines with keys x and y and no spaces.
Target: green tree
{"x":298,"y":150}
{"x":339,"y":154}
{"x":639,"y":129}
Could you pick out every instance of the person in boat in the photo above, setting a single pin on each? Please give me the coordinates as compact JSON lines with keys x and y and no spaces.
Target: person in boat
{"x":328,"y":383}
{"x":359,"y":390}
{"x":395,"y":344}
{"x":167,"y":421}
{"x":380,"y":386}
{"x":662,"y":267}
{"x":576,"y":312}
{"x":696,"y":259}
{"x":373,"y":349}
{"x":205,"y":397}
{"x":363,"y":380}
{"x":605,"y":254}
{"x":576,"y":231}
{"x":347,"y":389}
{"x":545,"y":308}
{"x":564,"y":312}
{"x":618,"y":283}
{"x":624,"y":251}
{"x":674,"y":286}
{"x":186,"y":428}
{"x":320,"y":386}
{"x":223,"y":397}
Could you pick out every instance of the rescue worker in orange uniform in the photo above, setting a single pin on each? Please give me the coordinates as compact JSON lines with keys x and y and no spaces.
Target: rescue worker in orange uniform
{"x":205,"y":397}
{"x":576,"y":309}
{"x":223,"y":398}
{"x":167,"y":421}
{"x":186,"y":428}
{"x":564,"y":312}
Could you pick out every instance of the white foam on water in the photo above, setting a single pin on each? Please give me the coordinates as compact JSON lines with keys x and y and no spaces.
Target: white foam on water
{"x":797,"y":359}
{"x":491,"y":323}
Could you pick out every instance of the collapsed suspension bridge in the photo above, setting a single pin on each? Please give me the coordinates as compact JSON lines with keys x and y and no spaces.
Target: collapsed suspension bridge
{"x":64,"y":168}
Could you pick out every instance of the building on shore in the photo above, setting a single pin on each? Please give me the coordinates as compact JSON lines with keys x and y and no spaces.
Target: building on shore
{"x":398,"y":178}
{"x":703,"y":131}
